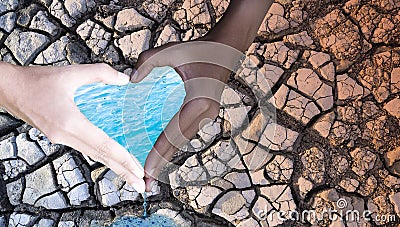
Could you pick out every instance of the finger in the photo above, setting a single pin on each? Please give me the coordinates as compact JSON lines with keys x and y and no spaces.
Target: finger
{"x":185,"y":124}
{"x":137,"y":183}
{"x":150,"y":178}
{"x":151,"y":168}
{"x":142,"y":68}
{"x":144,"y":65}
{"x":131,"y":179}
{"x":103,"y":147}
{"x":149,"y":183}
{"x":150,"y":59}
{"x":163,"y":151}
{"x":177,"y":54}
{"x":92,"y":73}
{"x":157,"y":159}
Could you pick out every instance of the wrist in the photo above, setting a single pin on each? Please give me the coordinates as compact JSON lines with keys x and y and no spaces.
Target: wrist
{"x":240,"y":23}
{"x":234,"y":42}
{"x":8,"y":81}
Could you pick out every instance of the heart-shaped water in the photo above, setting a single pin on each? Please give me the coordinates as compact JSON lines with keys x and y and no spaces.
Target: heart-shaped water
{"x":134,"y":115}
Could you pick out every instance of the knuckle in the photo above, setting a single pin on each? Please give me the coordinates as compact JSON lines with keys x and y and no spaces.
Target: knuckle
{"x":125,"y":163}
{"x":103,"y":150}
{"x":203,"y":101}
{"x":214,"y":110}
{"x":104,"y":67}
{"x":100,"y":159}
{"x":201,"y":105}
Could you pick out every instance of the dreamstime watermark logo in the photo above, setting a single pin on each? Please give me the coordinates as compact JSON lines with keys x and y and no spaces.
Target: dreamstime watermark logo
{"x":314,"y":216}
{"x":341,"y":203}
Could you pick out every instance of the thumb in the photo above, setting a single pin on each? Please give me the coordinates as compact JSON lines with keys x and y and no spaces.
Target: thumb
{"x":150,"y":59}
{"x":92,"y":73}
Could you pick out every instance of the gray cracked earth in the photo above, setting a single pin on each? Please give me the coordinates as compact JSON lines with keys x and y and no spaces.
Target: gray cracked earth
{"x":330,"y":69}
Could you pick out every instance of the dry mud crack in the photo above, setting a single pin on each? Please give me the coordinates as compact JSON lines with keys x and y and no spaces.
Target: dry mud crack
{"x":330,"y":70}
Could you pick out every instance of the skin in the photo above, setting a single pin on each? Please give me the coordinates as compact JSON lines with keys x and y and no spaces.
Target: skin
{"x":237,"y":29}
{"x":44,"y":98}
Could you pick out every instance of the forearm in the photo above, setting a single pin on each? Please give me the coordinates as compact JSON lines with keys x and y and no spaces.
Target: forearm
{"x":240,"y":23}
{"x":8,"y":77}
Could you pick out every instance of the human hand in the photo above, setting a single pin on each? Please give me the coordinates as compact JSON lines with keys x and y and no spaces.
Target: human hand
{"x":44,"y":98}
{"x":199,"y":65}
{"x":204,"y":67}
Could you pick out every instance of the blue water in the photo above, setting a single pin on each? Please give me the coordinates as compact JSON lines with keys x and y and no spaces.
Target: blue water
{"x":144,"y":204}
{"x":134,"y":115}
{"x":152,"y":221}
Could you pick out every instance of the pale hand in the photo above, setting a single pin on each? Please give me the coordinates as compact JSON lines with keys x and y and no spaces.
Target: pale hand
{"x":44,"y":98}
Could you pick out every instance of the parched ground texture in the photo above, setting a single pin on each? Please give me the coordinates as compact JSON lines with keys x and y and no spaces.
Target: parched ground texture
{"x":310,"y":122}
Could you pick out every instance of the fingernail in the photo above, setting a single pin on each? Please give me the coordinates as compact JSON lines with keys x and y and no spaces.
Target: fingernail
{"x":149,"y":188}
{"x":123,"y":78}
